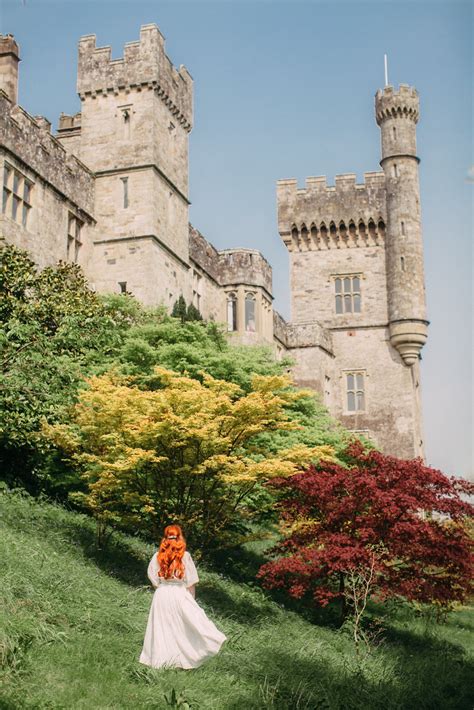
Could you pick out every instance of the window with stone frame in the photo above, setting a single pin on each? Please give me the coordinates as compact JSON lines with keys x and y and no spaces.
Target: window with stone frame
{"x":17,"y":189}
{"x":355,"y":391}
{"x":74,"y":237}
{"x":126,"y":120}
{"x":250,"y":312}
{"x":197,"y":289}
{"x":125,"y":197}
{"x":347,"y":293}
{"x":231,"y":311}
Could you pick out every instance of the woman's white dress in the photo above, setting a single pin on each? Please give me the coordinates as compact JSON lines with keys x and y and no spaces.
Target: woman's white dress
{"x":178,"y":632}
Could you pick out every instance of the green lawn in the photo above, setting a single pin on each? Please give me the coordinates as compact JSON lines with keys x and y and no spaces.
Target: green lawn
{"x":75,"y":618}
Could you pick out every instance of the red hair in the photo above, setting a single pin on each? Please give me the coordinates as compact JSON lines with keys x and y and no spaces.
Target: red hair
{"x":171,"y":552}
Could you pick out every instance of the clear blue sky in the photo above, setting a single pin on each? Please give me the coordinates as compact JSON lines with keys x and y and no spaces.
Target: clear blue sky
{"x":285,"y":89}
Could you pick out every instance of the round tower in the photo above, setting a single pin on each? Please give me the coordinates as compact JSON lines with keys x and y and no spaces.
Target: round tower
{"x":397,"y":115}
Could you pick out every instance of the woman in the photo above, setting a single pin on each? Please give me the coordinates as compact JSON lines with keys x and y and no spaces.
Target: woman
{"x":178,"y":633}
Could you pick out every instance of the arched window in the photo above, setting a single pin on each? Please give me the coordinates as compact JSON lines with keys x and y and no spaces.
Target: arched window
{"x":250,"y":324}
{"x":231,"y":311}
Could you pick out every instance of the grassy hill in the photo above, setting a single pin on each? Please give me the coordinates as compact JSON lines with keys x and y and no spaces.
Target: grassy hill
{"x":75,"y":618}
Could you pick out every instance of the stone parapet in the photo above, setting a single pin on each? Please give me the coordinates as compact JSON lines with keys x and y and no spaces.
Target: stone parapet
{"x":302,"y":335}
{"x":30,"y":141}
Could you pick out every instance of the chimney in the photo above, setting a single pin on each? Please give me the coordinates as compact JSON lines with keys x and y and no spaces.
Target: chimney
{"x":9,"y":58}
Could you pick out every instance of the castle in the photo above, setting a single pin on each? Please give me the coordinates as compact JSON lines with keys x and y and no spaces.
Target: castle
{"x":110,"y":192}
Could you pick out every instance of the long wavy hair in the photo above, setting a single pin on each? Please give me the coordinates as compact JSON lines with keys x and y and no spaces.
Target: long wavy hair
{"x":171,"y":552}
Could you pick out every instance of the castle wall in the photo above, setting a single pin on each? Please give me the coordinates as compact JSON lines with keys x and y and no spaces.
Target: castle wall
{"x":312,"y":279}
{"x":390,"y":414}
{"x":150,"y":273}
{"x":152,"y":209}
{"x":60,"y":187}
{"x":24,"y":137}
{"x":205,"y":260}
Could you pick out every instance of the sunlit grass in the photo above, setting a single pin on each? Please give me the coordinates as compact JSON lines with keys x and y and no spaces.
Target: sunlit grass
{"x":75,"y":617}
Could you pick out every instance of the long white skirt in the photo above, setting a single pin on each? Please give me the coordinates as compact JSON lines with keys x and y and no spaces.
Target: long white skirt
{"x":178,"y":632}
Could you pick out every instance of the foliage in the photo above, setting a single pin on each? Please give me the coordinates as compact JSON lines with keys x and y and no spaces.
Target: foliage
{"x":399,"y":518}
{"x":191,"y":348}
{"x":185,"y":313}
{"x":181,"y":452}
{"x":54,"y":329}
{"x":55,"y":332}
{"x":76,"y":616}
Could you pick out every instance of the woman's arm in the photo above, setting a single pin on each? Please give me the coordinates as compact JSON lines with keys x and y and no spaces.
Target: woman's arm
{"x":192,"y":590}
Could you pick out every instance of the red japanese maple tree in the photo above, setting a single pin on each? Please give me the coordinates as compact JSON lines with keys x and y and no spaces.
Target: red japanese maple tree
{"x":397,"y":526}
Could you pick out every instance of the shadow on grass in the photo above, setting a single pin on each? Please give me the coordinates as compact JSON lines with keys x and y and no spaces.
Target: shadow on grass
{"x":426,"y":681}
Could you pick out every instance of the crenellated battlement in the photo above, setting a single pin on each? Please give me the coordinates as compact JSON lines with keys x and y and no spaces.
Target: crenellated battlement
{"x":230,"y":267}
{"x":30,"y":140}
{"x":69,"y":122}
{"x":321,"y":216}
{"x":390,"y":103}
{"x":245,"y":266}
{"x":144,"y":66}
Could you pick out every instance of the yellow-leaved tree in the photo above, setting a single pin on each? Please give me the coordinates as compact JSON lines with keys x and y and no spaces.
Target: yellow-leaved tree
{"x":185,"y":451}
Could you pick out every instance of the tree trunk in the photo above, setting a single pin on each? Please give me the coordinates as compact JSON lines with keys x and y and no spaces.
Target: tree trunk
{"x":343,"y":609}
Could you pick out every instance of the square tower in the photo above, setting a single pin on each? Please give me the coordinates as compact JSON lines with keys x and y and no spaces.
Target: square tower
{"x":132,"y":133}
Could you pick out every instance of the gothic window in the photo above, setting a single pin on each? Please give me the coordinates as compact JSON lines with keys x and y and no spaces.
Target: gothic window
{"x":74,"y":228}
{"x":355,"y":391}
{"x":231,"y":311}
{"x":197,"y":287}
{"x":347,"y":294}
{"x":250,"y":324}
{"x":125,"y":191}
{"x":17,"y":189}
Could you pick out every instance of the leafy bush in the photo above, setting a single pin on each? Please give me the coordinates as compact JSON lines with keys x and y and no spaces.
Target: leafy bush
{"x":391,"y":527}
{"x":183,"y":451}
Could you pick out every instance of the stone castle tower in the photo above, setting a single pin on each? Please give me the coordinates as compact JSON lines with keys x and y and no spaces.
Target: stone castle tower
{"x":110,"y":191}
{"x":356,"y":265}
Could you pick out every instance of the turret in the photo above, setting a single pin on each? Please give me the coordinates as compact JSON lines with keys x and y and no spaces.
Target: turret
{"x":9,"y":59}
{"x":397,"y":114}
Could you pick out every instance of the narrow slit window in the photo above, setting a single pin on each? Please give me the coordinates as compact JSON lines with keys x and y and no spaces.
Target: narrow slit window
{"x":394,"y":130}
{"x":125,"y":118}
{"x":395,"y":170}
{"x":402,"y":227}
{"x":125,"y":191}
{"x":402,"y":262}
